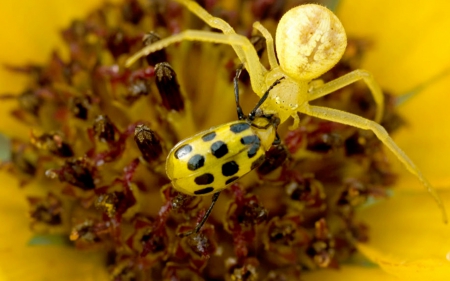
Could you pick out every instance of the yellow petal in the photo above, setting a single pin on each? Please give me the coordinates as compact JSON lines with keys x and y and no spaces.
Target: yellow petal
{"x":423,"y":269}
{"x":410,"y":42}
{"x":425,"y":138}
{"x":349,"y":273}
{"x":21,"y":262}
{"x":410,"y":47}
{"x":30,"y":31}
{"x":406,"y":231}
{"x":410,"y":239}
{"x":33,"y":28}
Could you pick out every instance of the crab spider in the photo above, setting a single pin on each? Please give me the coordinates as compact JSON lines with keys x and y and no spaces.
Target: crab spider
{"x":310,"y":40}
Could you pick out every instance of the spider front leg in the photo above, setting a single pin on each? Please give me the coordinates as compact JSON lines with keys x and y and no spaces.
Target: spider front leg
{"x":347,"y":79}
{"x":251,"y":62}
{"x":269,"y":43}
{"x":213,"y":22}
{"x":366,"y":124}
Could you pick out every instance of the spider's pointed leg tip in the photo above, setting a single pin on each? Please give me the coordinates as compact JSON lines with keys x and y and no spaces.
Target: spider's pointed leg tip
{"x":444,"y":215}
{"x":128,"y":62}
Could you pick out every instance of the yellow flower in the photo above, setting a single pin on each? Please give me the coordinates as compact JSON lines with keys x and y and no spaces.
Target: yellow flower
{"x":407,"y":238}
{"x":31,"y":30}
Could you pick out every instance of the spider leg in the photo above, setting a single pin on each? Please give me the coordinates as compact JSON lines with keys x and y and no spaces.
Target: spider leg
{"x":366,"y":124}
{"x":295,"y":123}
{"x":316,"y":83}
{"x":269,"y":43}
{"x":251,"y":61}
{"x":240,"y":113}
{"x":347,"y":79}
{"x":213,"y":22}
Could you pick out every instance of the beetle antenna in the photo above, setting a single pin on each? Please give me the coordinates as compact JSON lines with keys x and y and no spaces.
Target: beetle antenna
{"x":252,"y":114}
{"x":240,"y":113}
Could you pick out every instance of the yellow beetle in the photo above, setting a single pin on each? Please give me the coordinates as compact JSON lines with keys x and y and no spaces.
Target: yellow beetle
{"x":211,"y":160}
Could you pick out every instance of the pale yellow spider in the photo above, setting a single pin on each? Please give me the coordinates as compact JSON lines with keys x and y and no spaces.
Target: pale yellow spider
{"x":310,"y":40}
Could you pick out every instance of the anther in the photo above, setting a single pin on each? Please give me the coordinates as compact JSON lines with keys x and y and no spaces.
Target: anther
{"x":22,"y":163}
{"x":104,"y":129}
{"x":54,"y":143}
{"x":107,"y":203}
{"x":158,"y":56}
{"x":137,"y":88}
{"x":30,"y":102}
{"x":148,"y":143}
{"x":132,"y":11}
{"x":118,"y":44}
{"x":259,"y":43}
{"x":46,"y":210}
{"x":79,"y":106}
{"x":168,"y":87}
{"x":76,"y":172}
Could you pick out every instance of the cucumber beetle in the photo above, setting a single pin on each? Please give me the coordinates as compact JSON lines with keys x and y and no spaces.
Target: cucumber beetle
{"x":209,"y":161}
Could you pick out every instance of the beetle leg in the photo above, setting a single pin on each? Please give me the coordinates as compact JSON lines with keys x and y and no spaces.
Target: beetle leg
{"x":205,"y":217}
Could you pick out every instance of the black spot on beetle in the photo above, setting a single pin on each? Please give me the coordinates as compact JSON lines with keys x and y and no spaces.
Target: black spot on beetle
{"x":230,"y":168}
{"x":204,"y":179}
{"x":204,"y":191}
{"x":249,"y":139}
{"x":209,"y":136}
{"x":253,"y":150}
{"x":239,"y":127}
{"x":183,"y":151}
{"x":254,"y":141}
{"x":230,"y":180}
{"x":219,"y":149}
{"x":197,"y":161}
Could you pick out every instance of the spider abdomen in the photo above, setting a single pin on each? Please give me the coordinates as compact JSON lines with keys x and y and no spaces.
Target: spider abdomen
{"x":310,"y":40}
